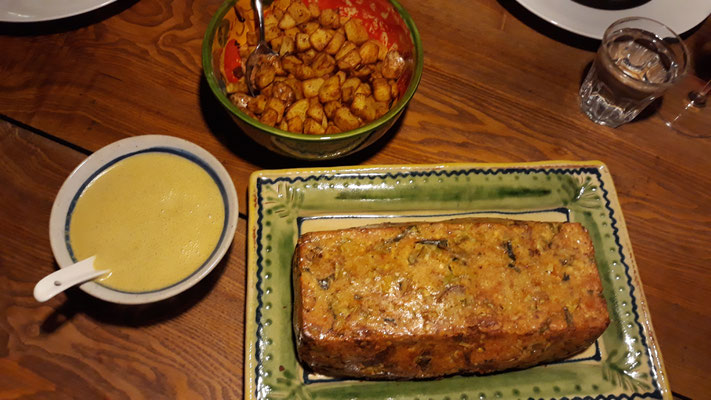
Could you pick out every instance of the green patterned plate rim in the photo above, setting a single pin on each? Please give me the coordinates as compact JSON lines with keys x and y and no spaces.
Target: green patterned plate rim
{"x":624,"y":363}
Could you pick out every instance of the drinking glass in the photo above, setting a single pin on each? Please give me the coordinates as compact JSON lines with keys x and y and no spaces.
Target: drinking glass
{"x":638,"y":60}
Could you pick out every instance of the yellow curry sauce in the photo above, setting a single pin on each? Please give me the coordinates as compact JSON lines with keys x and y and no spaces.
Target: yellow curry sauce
{"x":152,"y":219}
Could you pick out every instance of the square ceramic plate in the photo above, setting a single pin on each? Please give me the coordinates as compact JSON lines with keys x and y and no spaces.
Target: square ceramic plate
{"x":624,"y":362}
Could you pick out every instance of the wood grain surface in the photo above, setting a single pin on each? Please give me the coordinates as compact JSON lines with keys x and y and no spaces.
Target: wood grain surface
{"x":499,"y":85}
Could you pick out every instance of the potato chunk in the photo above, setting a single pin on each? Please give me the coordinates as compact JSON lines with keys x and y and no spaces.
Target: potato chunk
{"x":336,"y":42}
{"x":345,"y":120}
{"x":349,"y":61}
{"x":369,"y":52}
{"x":298,"y":110}
{"x":355,"y":31}
{"x":299,"y":12}
{"x":381,"y":90}
{"x":320,"y":38}
{"x":330,"y":91}
{"x":393,"y":65}
{"x":311,"y":87}
{"x":364,"y":107}
{"x":312,"y":127}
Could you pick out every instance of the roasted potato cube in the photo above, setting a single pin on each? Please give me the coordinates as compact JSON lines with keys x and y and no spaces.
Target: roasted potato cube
{"x":331,"y":129}
{"x":308,"y":56}
{"x":323,"y":64}
{"x":267,"y":91}
{"x":363,"y":88}
{"x":345,"y":120}
{"x":320,"y":38}
{"x":344,"y":50}
{"x":287,"y":22}
{"x":393,"y":65}
{"x":241,"y":100}
{"x":364,"y":107}
{"x":284,"y":92}
{"x":278,"y":13}
{"x":283,"y":125}
{"x":342,"y":76}
{"x":369,"y":52}
{"x":394,"y":90}
{"x":277,"y":105}
{"x":310,"y":27}
{"x":299,"y":12}
{"x":362,"y":72}
{"x":315,"y":110}
{"x":312,"y":127}
{"x":264,"y":75}
{"x":303,"y":72}
{"x":311,"y":87}
{"x":269,"y":117}
{"x":287,"y":46}
{"x":381,"y":109}
{"x":257,"y":104}
{"x":278,"y":68}
{"x":276,"y":42}
{"x":270,"y":19}
{"x":350,"y":61}
{"x":381,"y":90}
{"x":330,"y":90}
{"x":314,"y":10}
{"x":296,"y":85}
{"x":292,"y":32}
{"x":348,"y":89}
{"x":329,"y":18}
{"x":289,"y":63}
{"x":302,"y":42}
{"x":355,"y":31}
{"x":295,"y":125}
{"x":281,"y":4}
{"x":330,"y":108}
{"x":252,"y":38}
{"x":297,"y":110}
{"x":237,"y":87}
{"x":336,"y":42}
{"x":271,"y":32}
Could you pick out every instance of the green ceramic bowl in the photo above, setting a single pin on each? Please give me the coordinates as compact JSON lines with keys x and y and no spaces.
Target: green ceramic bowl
{"x":386,"y":19}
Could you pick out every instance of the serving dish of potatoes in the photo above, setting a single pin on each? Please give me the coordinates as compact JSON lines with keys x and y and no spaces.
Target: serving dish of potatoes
{"x":343,"y":72}
{"x":329,"y":76}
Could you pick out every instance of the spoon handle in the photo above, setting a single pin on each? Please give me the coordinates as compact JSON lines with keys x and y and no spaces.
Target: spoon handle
{"x":66,"y":277}
{"x":260,"y":18}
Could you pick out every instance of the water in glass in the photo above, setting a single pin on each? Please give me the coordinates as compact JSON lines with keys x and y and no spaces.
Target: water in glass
{"x":631,"y":69}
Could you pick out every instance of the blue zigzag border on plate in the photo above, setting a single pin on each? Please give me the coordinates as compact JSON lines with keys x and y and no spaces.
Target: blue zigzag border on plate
{"x":656,"y":394}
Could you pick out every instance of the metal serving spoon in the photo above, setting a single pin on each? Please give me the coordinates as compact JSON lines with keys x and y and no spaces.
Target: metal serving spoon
{"x":260,"y":53}
{"x":64,"y":278}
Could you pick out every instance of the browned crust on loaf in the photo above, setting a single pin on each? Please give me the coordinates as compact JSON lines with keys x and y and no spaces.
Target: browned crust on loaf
{"x":404,"y":301}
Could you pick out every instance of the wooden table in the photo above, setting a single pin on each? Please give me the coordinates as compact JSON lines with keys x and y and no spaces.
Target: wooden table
{"x":499,"y":85}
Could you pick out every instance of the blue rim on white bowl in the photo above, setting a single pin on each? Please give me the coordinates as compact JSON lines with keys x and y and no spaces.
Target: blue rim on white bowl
{"x":83,"y":174}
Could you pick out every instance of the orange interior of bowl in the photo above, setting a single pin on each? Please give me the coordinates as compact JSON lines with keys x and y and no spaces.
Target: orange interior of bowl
{"x":380,"y":18}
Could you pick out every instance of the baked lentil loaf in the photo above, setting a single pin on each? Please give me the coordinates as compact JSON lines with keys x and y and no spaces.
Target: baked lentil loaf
{"x":408,"y":301}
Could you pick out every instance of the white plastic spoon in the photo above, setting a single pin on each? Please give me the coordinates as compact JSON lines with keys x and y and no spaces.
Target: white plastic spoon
{"x":66,"y":277}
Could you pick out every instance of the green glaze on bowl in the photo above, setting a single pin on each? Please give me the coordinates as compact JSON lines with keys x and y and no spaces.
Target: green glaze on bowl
{"x":625,"y":362}
{"x":312,"y":147}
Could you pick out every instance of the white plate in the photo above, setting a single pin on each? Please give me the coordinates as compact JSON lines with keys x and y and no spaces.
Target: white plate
{"x":679,"y":15}
{"x":45,"y":10}
{"x":106,"y":156}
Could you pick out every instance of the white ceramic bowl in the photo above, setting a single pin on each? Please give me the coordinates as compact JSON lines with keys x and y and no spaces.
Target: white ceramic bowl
{"x":100,"y":160}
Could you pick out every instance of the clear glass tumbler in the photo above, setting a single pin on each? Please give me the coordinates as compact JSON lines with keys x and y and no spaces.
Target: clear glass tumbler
{"x":639,"y":59}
